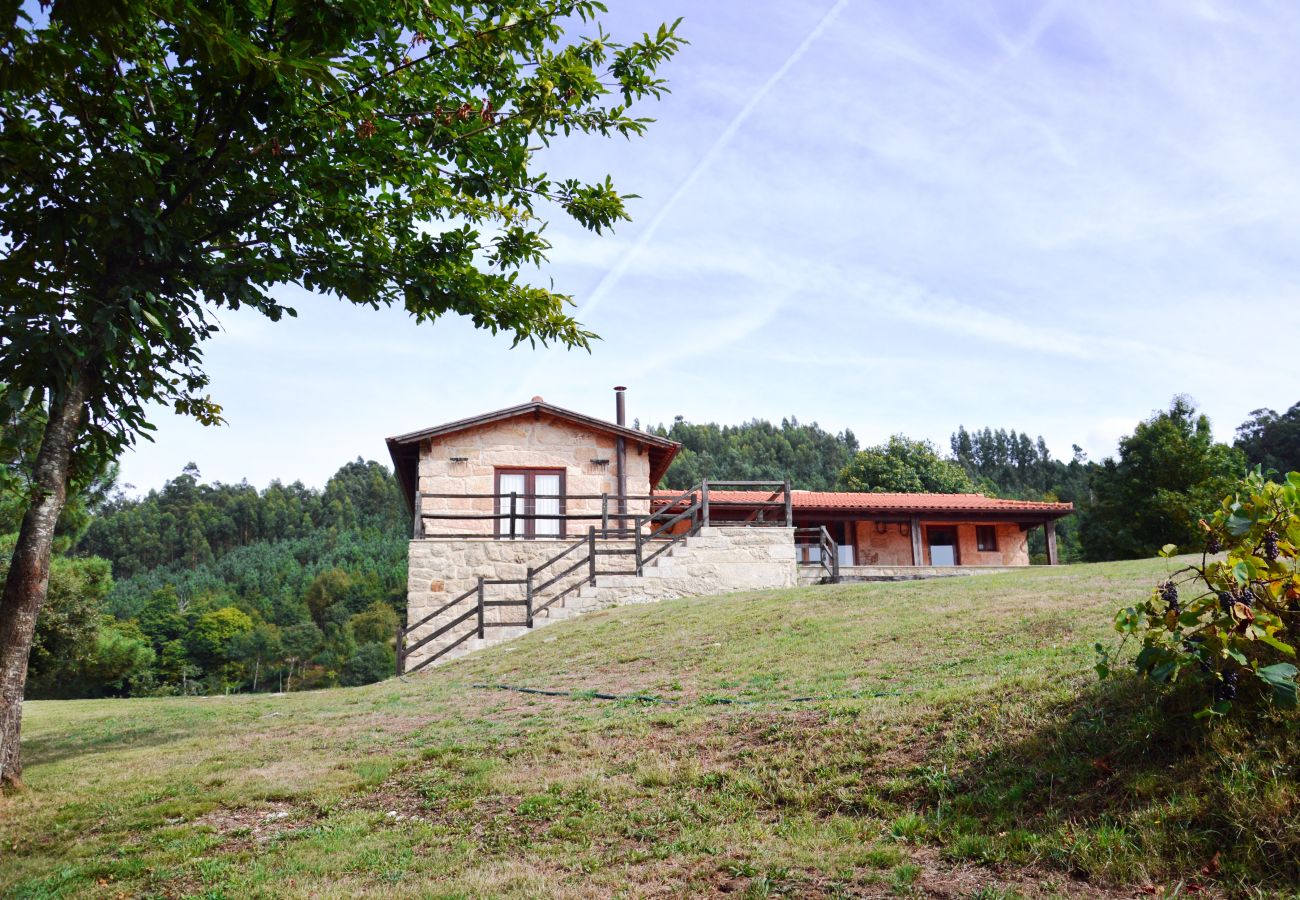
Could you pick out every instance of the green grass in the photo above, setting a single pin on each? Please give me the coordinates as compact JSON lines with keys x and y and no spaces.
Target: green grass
{"x":896,"y":739}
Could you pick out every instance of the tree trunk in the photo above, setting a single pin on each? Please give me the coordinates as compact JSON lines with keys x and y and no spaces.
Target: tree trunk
{"x":29,"y":570}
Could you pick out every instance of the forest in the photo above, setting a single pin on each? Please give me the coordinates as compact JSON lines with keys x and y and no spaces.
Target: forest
{"x":203,"y":587}
{"x":210,"y":587}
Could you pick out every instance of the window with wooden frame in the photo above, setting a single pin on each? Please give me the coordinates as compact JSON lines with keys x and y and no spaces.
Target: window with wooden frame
{"x":527,"y":493}
{"x":986,"y":538}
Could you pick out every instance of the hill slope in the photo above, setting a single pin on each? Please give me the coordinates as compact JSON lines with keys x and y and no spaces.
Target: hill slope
{"x":944,"y":736}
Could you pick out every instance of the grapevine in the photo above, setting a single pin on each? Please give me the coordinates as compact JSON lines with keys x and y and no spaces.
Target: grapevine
{"x":1228,"y":624}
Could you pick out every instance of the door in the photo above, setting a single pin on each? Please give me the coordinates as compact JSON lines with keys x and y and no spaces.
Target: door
{"x":536,"y":492}
{"x":943,"y":545}
{"x":512,"y":487}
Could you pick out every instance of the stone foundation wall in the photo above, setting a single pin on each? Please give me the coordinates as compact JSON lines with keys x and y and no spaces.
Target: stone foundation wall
{"x":718,"y":560}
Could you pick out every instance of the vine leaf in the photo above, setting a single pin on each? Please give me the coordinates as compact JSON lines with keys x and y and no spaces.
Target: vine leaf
{"x":1281,"y":678}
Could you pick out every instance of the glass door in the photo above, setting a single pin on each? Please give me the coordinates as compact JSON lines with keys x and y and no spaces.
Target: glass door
{"x":547,"y":489}
{"x":538,"y":494}
{"x":943,"y":546}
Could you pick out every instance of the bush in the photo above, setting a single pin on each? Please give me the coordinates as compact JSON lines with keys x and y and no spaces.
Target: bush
{"x":371,"y":663}
{"x":1228,"y":625}
{"x":376,"y":624}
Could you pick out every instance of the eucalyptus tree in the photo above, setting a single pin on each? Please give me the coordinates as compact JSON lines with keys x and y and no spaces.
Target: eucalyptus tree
{"x":161,"y":160}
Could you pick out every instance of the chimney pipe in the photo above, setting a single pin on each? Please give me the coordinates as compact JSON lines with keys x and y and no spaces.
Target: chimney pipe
{"x":620,"y":453}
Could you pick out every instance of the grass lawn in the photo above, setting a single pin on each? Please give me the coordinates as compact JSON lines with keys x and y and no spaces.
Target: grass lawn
{"x":928,"y":738}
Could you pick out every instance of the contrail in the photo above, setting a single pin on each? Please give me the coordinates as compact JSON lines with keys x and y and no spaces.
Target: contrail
{"x":616,"y":273}
{"x":619,"y":269}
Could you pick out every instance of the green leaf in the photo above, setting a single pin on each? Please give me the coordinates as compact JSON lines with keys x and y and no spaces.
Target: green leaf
{"x":1148,"y":658}
{"x":1168,"y":550}
{"x":1219,"y":709}
{"x":1281,"y":678}
{"x":1241,"y":571}
{"x":1275,"y":643}
{"x":1164,"y":672}
{"x":1238,"y":525}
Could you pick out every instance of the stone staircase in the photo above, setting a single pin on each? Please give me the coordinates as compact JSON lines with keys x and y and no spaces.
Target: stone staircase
{"x":715,"y":560}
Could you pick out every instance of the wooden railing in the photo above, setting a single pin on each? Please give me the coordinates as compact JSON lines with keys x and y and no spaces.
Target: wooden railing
{"x":828,"y":550}
{"x":652,"y":534}
{"x":774,"y":507}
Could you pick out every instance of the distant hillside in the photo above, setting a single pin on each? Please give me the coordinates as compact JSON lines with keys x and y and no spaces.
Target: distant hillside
{"x":223,"y":587}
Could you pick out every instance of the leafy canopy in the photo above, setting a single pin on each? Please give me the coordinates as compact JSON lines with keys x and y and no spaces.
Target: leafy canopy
{"x":905,"y":466}
{"x":1170,"y":473}
{"x":161,"y":160}
{"x":1271,"y":440}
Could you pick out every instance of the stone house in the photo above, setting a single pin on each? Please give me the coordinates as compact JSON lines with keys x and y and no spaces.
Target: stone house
{"x":535,"y":513}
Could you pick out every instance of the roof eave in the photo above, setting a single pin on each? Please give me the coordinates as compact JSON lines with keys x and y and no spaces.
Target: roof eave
{"x":523,"y":409}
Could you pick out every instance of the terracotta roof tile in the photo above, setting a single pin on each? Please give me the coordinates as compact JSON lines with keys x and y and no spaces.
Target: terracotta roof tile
{"x":866,"y":502}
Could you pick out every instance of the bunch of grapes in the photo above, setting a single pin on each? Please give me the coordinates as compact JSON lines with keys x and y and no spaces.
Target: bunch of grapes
{"x":1225,"y":601}
{"x":1227,"y":688}
{"x":1213,"y":544}
{"x":1270,"y":545}
{"x":1169,"y":594}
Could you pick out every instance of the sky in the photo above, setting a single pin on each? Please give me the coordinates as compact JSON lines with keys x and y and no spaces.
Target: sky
{"x":891,"y":217}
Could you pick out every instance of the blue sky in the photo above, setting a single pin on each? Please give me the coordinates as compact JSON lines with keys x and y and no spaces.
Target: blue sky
{"x":885,"y":216}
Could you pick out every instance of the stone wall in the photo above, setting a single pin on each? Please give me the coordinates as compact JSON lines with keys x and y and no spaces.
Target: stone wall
{"x":716,"y":561}
{"x":466,"y":463}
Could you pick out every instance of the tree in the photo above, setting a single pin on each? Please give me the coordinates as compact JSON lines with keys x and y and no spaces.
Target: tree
{"x":330,"y":588}
{"x":69,"y":629}
{"x":161,"y":160}
{"x":116,"y":660}
{"x":217,"y":634}
{"x":1270,"y":440}
{"x":376,"y":624}
{"x":905,"y":466}
{"x":257,"y":648}
{"x":757,"y":451}
{"x":1170,"y":474}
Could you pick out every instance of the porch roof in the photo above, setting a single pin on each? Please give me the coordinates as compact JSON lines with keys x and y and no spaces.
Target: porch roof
{"x":840,"y":503}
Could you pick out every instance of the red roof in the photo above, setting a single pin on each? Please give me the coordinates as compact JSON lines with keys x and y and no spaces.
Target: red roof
{"x":841,"y":501}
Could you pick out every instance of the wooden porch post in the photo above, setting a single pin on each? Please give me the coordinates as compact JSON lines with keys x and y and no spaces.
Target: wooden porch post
{"x":918,"y":557}
{"x":1049,"y":529}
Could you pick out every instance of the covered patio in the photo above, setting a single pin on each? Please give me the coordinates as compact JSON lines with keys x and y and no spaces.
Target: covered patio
{"x":906,"y":534}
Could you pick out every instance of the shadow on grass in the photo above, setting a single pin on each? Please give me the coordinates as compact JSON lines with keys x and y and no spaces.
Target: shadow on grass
{"x":49,"y":749}
{"x":1121,"y":785}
